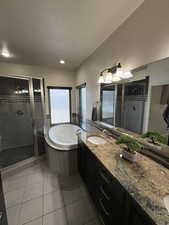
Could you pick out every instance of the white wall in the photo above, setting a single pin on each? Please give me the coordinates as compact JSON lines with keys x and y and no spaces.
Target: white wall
{"x":142,"y":39}
{"x":53,"y":77}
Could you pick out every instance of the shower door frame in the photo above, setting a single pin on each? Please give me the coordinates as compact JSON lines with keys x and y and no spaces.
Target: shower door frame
{"x":32,"y":103}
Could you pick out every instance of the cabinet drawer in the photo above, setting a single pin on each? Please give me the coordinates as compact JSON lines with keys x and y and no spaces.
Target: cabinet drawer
{"x":109,"y":186}
{"x":104,"y":212}
{"x":104,"y":175}
{"x":137,"y":215}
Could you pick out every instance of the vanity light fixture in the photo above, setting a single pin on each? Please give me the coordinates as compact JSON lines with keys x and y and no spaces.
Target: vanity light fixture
{"x":114,"y":74}
{"x":108,"y":77}
{"x":119,"y":70}
{"x":101,"y":79}
{"x":116,"y":78}
{"x":126,"y":75}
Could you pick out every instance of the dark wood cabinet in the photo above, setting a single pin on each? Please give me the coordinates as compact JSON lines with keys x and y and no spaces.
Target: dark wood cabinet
{"x":137,"y":216}
{"x":113,"y":202}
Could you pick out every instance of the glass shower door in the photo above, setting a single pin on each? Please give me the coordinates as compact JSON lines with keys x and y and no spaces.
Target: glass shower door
{"x":16,"y":130}
{"x":108,"y":103}
{"x":38,"y":93}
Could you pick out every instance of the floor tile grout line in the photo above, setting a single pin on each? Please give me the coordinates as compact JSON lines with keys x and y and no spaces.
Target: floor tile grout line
{"x":31,"y":220}
{"x":65,"y":205}
{"x":19,"y":176}
{"x":19,"y":188}
{"x":23,"y":202}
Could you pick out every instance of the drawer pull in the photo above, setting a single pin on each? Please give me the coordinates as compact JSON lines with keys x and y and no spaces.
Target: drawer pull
{"x":104,"y":178}
{"x":104,"y":193}
{"x":102,"y":220}
{"x":103,"y":208}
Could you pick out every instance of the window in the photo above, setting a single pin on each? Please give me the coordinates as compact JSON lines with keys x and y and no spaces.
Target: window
{"x":82,"y":102}
{"x":60,"y":104}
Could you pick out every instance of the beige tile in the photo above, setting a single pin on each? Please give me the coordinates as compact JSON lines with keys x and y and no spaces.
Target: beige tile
{"x":51,"y":183}
{"x":38,"y":221}
{"x":13,"y":215}
{"x":31,"y":210}
{"x":56,"y":218}
{"x":33,"y":191}
{"x":70,"y":182}
{"x":35,"y":178}
{"x":72,"y":195}
{"x":84,"y":211}
{"x":13,"y":198}
{"x":14,"y":184}
{"x":16,"y":175}
{"x":53,"y":201}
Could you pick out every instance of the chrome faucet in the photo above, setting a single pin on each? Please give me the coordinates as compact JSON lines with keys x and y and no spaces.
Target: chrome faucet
{"x":78,"y":132}
{"x":106,"y":132}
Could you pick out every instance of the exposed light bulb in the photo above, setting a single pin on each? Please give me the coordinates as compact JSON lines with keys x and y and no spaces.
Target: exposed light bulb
{"x":108,"y":78}
{"x":119,"y":72}
{"x":116,"y":78}
{"x":126,"y":75}
{"x":119,"y":69}
{"x":101,"y":79}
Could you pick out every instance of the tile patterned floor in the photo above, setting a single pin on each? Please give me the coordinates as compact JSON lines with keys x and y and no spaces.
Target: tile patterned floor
{"x":35,"y":196}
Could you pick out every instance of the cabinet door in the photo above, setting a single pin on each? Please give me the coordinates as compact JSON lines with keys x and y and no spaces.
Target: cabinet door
{"x":82,"y":158}
{"x":137,"y":215}
{"x":111,"y":195}
{"x":91,"y":173}
{"x":138,"y":219}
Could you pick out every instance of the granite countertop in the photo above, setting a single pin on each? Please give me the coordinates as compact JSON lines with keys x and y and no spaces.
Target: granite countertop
{"x":146,"y":181}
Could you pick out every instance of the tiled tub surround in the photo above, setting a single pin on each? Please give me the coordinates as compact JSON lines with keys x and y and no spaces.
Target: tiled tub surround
{"x":35,"y":196}
{"x":146,"y":181}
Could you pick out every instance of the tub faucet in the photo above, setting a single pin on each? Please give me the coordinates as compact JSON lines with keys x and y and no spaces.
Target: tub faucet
{"x":78,"y":132}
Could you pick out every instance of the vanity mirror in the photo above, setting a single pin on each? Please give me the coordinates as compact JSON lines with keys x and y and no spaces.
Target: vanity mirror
{"x":140,"y":106}
{"x":159,"y":109}
{"x":141,"y":103}
{"x":122,"y":105}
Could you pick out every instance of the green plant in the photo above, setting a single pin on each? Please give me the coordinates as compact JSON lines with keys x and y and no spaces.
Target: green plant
{"x":155,"y":137}
{"x":131,"y":144}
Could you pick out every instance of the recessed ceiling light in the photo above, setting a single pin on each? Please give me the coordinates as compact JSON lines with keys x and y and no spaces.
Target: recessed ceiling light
{"x":62,"y":62}
{"x":5,"y":54}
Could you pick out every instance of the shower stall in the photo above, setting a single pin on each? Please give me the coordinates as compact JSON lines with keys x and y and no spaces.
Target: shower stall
{"x":21,"y":118}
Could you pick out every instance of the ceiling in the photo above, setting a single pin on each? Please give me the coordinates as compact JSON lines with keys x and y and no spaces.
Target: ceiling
{"x":41,"y":32}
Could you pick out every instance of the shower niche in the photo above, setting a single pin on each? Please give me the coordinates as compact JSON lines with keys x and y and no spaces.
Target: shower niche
{"x":21,"y":119}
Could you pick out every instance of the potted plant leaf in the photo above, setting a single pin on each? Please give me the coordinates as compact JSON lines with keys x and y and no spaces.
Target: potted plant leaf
{"x":130,"y":147}
{"x":155,"y":137}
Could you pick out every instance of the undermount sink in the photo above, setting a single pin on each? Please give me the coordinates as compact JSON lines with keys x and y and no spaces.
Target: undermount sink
{"x":96,"y":140}
{"x":166,"y":202}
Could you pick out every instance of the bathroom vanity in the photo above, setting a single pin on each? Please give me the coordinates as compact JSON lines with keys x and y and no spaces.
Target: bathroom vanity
{"x":124,"y":193}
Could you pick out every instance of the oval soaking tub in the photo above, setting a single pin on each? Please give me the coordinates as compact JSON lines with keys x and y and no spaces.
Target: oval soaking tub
{"x":61,"y":148}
